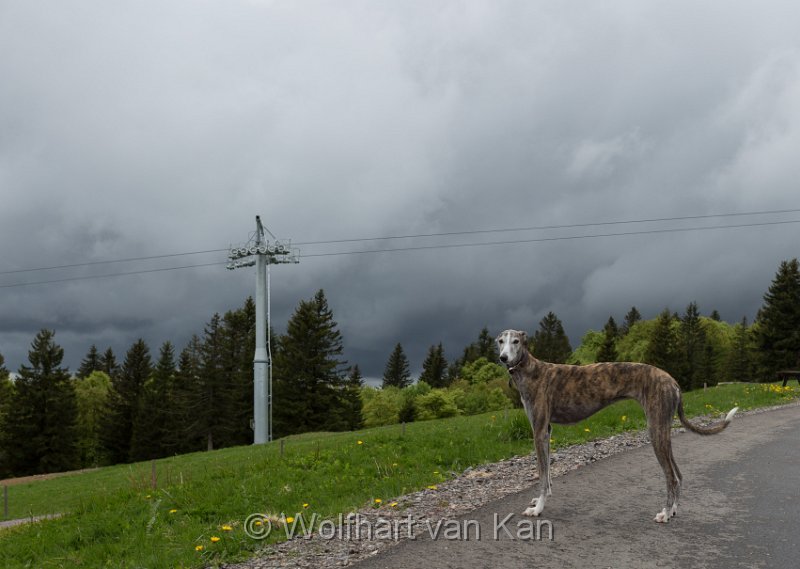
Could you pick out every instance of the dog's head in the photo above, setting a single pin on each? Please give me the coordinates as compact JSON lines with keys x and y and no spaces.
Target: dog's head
{"x":512,"y":346}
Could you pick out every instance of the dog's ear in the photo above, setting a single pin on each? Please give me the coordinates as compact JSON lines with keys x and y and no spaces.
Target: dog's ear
{"x":524,"y":338}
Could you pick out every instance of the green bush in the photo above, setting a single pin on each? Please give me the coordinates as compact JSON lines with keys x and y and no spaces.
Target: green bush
{"x":381,"y":406}
{"x":482,"y":371}
{"x":437,"y":404}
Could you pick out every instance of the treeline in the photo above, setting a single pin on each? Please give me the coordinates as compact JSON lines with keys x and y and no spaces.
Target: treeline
{"x":149,"y":406}
{"x":696,"y":350}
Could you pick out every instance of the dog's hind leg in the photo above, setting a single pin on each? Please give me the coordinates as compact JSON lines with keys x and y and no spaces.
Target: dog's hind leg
{"x":660,"y":437}
{"x":541,"y":435}
{"x":674,"y":510}
{"x":549,"y":481}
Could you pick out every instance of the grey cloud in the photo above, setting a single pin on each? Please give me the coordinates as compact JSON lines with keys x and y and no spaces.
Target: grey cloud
{"x":166,"y":127}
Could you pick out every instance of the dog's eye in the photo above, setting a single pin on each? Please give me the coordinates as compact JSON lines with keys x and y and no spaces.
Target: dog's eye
{"x":516,"y":341}
{"x":499,"y":341}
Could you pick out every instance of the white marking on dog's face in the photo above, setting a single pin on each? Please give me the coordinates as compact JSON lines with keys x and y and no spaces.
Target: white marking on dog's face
{"x":509,"y":344}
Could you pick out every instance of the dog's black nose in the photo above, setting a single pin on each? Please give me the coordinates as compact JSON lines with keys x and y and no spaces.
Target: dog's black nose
{"x":504,"y":358}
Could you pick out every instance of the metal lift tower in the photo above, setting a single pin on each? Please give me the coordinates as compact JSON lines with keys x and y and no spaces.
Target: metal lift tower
{"x":261,"y":253}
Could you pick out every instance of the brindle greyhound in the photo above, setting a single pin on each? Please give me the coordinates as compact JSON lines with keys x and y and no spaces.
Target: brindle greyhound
{"x":555,"y":393}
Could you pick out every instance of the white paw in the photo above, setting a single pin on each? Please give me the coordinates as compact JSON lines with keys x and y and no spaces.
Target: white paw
{"x":531,"y":512}
{"x":674,"y":511}
{"x":662,"y":517}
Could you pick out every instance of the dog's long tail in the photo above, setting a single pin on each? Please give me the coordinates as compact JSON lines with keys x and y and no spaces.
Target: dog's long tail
{"x":711,"y":430}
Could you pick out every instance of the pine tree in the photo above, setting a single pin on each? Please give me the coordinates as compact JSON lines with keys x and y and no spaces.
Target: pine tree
{"x":715,"y":316}
{"x":40,"y":427}
{"x":397,"y":371}
{"x":308,"y":372}
{"x":608,"y":349}
{"x":778,"y":323}
{"x":631,"y":318}
{"x":662,"y":347}
{"x":148,"y":437}
{"x":434,"y":368}
{"x":124,"y":401}
{"x":550,"y":342}
{"x":90,"y":363}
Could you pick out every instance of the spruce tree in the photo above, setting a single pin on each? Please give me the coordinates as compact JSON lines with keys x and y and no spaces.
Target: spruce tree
{"x":608,"y":349}
{"x":182,"y":428}
{"x":238,"y":346}
{"x":90,"y":363}
{"x":397,"y":373}
{"x":6,"y":394}
{"x":631,"y":318}
{"x":210,"y":392}
{"x":715,"y":316}
{"x":124,"y":401}
{"x":778,"y":323}
{"x":108,"y":363}
{"x":434,"y":368}
{"x":148,"y":438}
{"x":693,"y":352}
{"x":352,"y":398}
{"x":40,"y":433}
{"x":483,"y":347}
{"x":662,"y":346}
{"x":550,"y":342}
{"x":309,"y":372}
{"x":740,"y":364}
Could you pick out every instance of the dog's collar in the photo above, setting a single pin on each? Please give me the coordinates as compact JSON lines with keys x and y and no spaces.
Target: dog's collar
{"x":522,"y":361}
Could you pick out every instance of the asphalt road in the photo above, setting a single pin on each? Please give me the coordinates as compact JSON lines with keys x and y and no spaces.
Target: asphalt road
{"x":740,"y":507}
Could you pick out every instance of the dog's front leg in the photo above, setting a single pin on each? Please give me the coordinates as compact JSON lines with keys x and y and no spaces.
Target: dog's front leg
{"x":541,"y":436}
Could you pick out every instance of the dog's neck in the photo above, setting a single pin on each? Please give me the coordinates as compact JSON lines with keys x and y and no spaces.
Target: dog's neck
{"x":522,"y":363}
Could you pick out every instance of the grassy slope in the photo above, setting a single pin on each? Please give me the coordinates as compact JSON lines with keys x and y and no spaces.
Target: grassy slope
{"x":114,"y":519}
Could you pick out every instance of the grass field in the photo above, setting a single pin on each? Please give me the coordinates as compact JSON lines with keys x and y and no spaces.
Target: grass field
{"x":113,"y":518}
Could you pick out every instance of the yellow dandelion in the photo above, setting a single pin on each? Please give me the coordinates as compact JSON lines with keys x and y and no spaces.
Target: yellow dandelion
{"x":259,"y":523}
{"x":214,"y":539}
{"x":361,"y":442}
{"x":624,"y":418}
{"x":378,"y":500}
{"x":587,"y":430}
{"x":305,"y":505}
{"x":552,"y":441}
{"x":289,"y":520}
{"x":199,"y":548}
{"x":172,"y":511}
{"x":226,"y":528}
{"x":432,"y":487}
{"x":393,"y":504}
{"x":394,"y":464}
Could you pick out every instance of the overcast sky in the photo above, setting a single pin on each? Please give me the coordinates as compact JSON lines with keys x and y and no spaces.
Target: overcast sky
{"x":156,"y":127}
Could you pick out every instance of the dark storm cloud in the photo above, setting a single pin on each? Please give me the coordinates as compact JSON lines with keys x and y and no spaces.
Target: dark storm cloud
{"x":165,"y":127}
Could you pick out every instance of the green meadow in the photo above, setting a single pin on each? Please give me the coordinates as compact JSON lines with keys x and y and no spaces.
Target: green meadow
{"x":113,"y":517}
